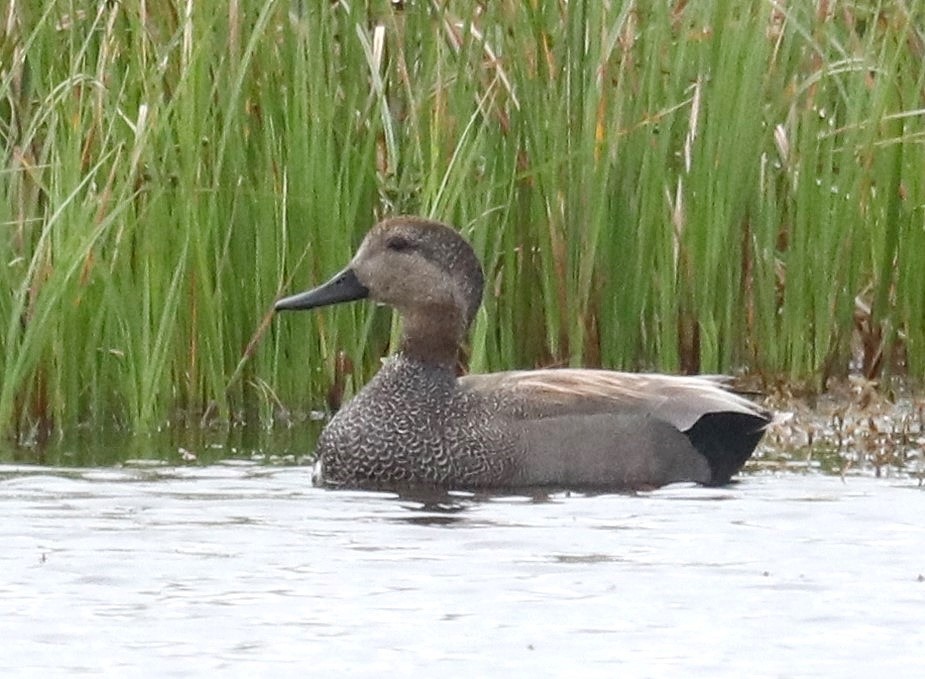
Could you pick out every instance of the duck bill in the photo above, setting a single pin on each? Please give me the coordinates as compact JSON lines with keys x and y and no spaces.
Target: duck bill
{"x":344,"y":287}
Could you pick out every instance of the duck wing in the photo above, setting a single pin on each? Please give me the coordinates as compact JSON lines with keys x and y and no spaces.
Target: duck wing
{"x":679,"y":400}
{"x":627,"y":427}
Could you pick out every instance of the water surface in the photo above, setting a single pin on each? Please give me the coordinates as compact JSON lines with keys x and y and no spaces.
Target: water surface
{"x":241,"y":568}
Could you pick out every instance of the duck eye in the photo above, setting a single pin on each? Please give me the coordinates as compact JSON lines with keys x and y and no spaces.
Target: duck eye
{"x":399,"y":244}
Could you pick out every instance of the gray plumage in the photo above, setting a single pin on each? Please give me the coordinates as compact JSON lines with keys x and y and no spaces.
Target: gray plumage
{"x":417,"y":424}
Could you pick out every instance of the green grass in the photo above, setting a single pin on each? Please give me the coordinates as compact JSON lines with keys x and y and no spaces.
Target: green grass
{"x":700,"y":186}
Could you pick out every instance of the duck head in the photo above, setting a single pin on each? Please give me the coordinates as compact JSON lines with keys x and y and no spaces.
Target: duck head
{"x":422,"y":268}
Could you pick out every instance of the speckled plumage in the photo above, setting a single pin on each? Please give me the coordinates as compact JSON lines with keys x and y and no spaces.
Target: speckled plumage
{"x":411,"y":425}
{"x":417,"y":424}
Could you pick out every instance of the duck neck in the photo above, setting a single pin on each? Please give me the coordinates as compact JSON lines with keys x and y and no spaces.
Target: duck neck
{"x":432,"y":336}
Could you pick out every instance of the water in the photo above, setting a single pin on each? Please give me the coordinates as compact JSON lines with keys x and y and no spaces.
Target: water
{"x":243,"y":569}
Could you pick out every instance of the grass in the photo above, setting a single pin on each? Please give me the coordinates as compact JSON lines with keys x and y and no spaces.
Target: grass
{"x":677,"y":186}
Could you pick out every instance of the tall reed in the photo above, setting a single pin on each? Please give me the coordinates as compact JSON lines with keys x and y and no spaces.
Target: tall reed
{"x":678,"y":186}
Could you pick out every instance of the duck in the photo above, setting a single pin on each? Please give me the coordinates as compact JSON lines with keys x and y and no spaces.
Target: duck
{"x":417,"y":424}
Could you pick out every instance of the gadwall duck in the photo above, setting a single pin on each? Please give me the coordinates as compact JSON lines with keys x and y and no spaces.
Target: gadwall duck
{"x":416,"y":424}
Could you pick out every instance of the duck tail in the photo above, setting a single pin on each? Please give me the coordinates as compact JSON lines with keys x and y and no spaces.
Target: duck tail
{"x":727,"y":440}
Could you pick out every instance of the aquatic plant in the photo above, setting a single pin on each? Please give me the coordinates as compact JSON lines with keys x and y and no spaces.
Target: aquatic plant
{"x":677,"y":186}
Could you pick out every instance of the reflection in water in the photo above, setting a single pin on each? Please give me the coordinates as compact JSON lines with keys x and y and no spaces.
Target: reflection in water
{"x":434,"y":506}
{"x":247,"y":569}
{"x":435,"y":500}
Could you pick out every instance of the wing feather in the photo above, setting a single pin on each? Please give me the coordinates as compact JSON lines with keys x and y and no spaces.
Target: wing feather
{"x":679,"y":400}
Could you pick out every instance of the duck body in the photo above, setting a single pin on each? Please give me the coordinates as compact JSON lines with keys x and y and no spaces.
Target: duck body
{"x":411,"y":425}
{"x":416,"y":424}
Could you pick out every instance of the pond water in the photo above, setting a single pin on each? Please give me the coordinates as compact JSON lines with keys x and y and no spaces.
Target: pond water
{"x":245,"y":569}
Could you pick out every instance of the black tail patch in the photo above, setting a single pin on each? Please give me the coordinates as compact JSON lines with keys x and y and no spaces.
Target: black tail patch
{"x":727,"y":440}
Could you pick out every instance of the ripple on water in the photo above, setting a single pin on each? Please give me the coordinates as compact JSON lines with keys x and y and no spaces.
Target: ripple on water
{"x":245,"y":568}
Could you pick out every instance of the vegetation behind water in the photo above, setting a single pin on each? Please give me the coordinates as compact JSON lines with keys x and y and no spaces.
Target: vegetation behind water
{"x":708,"y":186}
